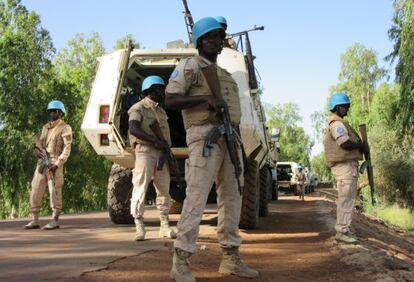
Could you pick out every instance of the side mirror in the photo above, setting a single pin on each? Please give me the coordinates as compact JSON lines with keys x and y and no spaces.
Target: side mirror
{"x":275,"y":134}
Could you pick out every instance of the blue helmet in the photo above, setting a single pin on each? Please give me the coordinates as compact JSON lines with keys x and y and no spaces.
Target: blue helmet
{"x":203,"y":26}
{"x":338,"y":99}
{"x":56,"y":105}
{"x":221,"y":20}
{"x":150,"y":81}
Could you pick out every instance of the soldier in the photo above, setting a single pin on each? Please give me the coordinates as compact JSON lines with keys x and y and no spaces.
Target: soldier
{"x":300,"y":182}
{"x":55,"y":145}
{"x":343,"y":149}
{"x":228,"y":41}
{"x":189,"y":91}
{"x":148,"y":149}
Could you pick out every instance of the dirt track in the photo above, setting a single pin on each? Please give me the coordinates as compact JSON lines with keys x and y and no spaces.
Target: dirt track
{"x":294,"y":243}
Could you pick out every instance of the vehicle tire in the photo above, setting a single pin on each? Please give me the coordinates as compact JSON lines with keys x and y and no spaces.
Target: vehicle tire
{"x":249,"y":217}
{"x":265,"y":190}
{"x":119,"y":195}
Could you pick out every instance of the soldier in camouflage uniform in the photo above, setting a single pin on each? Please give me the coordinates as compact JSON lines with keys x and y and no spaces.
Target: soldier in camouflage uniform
{"x":55,"y":140}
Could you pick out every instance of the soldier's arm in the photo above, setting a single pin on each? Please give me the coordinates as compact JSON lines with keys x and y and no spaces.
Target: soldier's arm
{"x":350,"y":145}
{"x":180,"y":102}
{"x":136,"y":130}
{"x":67,"y":146}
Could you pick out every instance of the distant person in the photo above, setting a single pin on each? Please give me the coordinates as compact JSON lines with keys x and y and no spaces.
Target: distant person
{"x":52,"y":152}
{"x":343,"y":150}
{"x":300,"y":178}
{"x":228,"y":41}
{"x":148,"y":149}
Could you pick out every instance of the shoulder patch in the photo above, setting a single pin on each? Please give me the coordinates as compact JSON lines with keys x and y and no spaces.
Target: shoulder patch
{"x":174,"y":74}
{"x":340,"y":130}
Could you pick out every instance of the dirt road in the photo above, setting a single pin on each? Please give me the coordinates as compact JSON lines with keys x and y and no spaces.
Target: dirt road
{"x":294,"y":243}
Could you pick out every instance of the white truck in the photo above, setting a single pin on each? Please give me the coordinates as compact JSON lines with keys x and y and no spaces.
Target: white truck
{"x":105,"y":125}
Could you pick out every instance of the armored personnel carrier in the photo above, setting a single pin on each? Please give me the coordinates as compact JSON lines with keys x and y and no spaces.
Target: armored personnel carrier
{"x":116,"y":87}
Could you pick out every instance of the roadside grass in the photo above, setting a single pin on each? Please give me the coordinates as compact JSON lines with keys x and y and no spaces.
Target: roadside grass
{"x":394,"y":215}
{"x":391,"y":214}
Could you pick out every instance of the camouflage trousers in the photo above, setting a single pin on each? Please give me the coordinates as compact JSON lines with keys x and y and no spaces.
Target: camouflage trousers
{"x":145,"y":171}
{"x":39,"y":184}
{"x":346,"y":175}
{"x":201,"y":172}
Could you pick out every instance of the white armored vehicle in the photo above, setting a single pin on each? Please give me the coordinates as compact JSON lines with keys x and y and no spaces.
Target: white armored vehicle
{"x":105,"y":124}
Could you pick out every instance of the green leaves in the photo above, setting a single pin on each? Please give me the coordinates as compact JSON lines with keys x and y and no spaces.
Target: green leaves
{"x":295,"y":144}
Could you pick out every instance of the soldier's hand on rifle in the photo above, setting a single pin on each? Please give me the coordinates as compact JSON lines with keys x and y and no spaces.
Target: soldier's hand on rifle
{"x":217,"y":104}
{"x":364,"y":148}
{"x":38,"y":153}
{"x":53,"y":168}
{"x":161,"y":144}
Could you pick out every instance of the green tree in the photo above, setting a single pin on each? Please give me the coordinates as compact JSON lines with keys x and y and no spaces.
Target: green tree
{"x":295,"y":144}
{"x":402,"y":33}
{"x":85,"y":188}
{"x":359,"y":77}
{"x":25,"y":67}
{"x":122,"y":42}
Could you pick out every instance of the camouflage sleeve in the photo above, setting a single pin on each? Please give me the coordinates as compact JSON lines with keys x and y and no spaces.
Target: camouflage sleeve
{"x":181,"y":78}
{"x":67,"y":146}
{"x":339,"y":132}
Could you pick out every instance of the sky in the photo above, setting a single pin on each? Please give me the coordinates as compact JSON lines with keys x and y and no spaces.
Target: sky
{"x":297,"y":54}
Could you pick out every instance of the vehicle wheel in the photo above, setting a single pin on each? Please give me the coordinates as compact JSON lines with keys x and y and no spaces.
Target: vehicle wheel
{"x":119,"y":195}
{"x":265,"y":190}
{"x":249,"y":217}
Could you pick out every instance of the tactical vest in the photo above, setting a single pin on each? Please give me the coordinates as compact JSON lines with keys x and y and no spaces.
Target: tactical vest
{"x":52,"y":139}
{"x":202,"y":114}
{"x":333,"y":152}
{"x":149,"y":116}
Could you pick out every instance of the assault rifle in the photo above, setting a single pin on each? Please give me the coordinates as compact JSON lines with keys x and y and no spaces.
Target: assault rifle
{"x":44,"y":165}
{"x":167,"y":155}
{"x":225,"y":128}
{"x":367,"y":165}
{"x":189,"y":22}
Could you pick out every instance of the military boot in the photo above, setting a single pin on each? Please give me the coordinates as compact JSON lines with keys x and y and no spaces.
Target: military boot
{"x":347,"y":238}
{"x":165,"y":230}
{"x":231,"y":264}
{"x":181,"y":271}
{"x":139,"y":229}
{"x":54,"y":224}
{"x":34,"y":224}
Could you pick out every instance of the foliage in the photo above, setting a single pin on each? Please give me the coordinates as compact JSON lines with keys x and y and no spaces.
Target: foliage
{"x":358,"y":77}
{"x":402,"y":33}
{"x":23,"y":92}
{"x":295,"y":144}
{"x":122,"y":42}
{"x":76,"y":65}
{"x":318,"y":166}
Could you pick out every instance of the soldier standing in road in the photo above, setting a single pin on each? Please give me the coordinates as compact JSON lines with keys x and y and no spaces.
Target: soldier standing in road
{"x":55,"y":145}
{"x":300,"y":182}
{"x":189,"y":91}
{"x":148,"y":150}
{"x":343,"y":149}
{"x":228,"y":41}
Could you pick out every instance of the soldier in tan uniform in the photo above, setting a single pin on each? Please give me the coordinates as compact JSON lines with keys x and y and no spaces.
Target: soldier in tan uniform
{"x":343,"y":150}
{"x":148,"y":150}
{"x":56,"y":140}
{"x":300,"y":178}
{"x":188,"y":91}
